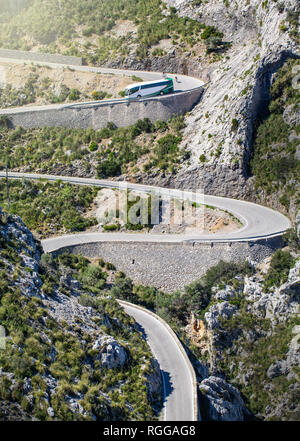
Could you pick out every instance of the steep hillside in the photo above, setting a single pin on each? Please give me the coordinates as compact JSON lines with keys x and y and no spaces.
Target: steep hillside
{"x":238,"y":46}
{"x":118,"y":31}
{"x":71,"y":351}
{"x":221,"y":128}
{"x":250,"y":337}
{"x":241,"y":325}
{"x":275,"y":161}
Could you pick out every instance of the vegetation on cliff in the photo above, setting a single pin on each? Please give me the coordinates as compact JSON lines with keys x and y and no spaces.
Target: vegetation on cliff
{"x":275,"y":163}
{"x":86,"y":28}
{"x":107,"y":152}
{"x":56,"y":363}
{"x":49,"y":208}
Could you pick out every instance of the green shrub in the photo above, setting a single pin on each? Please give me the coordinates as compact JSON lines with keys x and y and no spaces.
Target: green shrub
{"x":111,"y":227}
{"x":99,"y":95}
{"x":281,"y":263}
{"x":109,"y":167}
{"x":292,"y":239}
{"x":93,"y":146}
{"x":143,"y":126}
{"x":87,"y":300}
{"x":161,"y":125}
{"x":111,"y":126}
{"x":47,"y":260}
{"x":74,"y":95}
{"x":166,"y":145}
{"x":210,"y":31}
{"x":234,"y":125}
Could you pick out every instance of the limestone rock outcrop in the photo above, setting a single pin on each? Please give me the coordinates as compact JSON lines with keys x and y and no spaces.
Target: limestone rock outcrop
{"x":223,"y":401}
{"x":111,"y":353}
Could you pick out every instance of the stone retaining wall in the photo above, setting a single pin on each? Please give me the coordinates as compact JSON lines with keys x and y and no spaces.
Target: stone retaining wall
{"x":123,"y":113}
{"x":171,"y":266}
{"x":39,"y":56}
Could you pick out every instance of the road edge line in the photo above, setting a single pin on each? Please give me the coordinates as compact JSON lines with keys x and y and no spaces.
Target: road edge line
{"x":196,"y":414}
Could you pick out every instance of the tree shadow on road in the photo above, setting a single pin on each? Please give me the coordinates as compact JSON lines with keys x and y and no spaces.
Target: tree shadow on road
{"x":168,"y":386}
{"x":141,"y":330}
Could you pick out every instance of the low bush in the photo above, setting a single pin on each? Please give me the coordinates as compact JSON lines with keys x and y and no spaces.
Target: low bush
{"x":93,"y":146}
{"x":92,"y":277}
{"x":99,"y":95}
{"x":281,"y":263}
{"x":49,"y":147}
{"x":49,"y":207}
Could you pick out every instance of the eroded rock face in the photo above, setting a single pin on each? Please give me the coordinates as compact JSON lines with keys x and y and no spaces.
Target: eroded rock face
{"x":261,"y":318}
{"x":219,"y":311}
{"x":223,"y":401}
{"x":280,"y":303}
{"x":221,"y":126}
{"x":291,"y":115}
{"x":61,"y":306}
{"x":111,"y":353}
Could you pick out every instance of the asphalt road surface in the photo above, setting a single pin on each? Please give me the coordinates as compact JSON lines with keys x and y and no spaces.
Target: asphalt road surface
{"x":258,"y":222}
{"x":177,"y":379}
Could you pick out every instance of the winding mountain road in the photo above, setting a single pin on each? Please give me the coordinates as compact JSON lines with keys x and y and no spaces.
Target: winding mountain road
{"x":258,"y":222}
{"x":181,"y":83}
{"x":180,"y":392}
{"x":179,"y":380}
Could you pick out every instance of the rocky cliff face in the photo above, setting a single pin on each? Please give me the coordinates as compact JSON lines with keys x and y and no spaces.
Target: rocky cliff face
{"x":249,"y":346}
{"x":220,"y":128}
{"x":67,"y":355}
{"x":221,"y":401}
{"x":13,"y":5}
